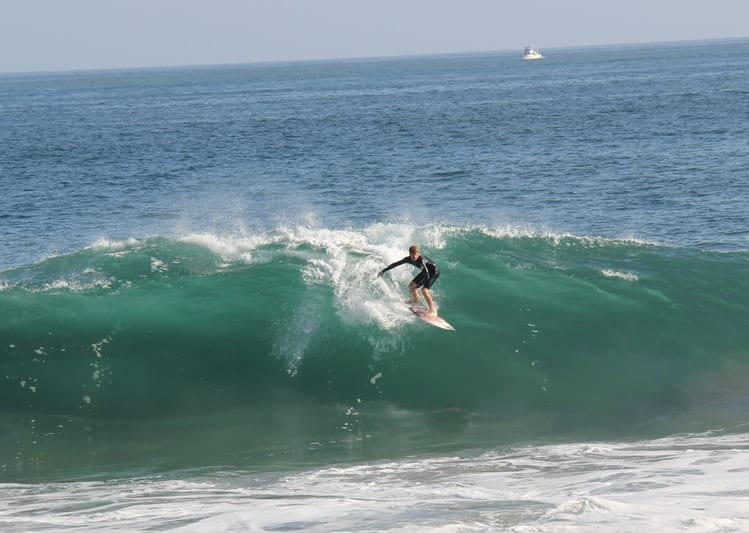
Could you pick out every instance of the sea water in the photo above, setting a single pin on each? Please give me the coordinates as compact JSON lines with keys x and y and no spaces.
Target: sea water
{"x":193,"y":335}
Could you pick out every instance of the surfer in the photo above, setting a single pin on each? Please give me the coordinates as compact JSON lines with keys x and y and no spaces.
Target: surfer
{"x":424,"y":279}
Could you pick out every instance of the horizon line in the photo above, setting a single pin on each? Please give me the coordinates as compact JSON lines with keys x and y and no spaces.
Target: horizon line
{"x":359,"y":58}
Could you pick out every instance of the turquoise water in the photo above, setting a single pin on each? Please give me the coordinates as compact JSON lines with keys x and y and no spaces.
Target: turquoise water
{"x":556,"y":336}
{"x":189,"y":260}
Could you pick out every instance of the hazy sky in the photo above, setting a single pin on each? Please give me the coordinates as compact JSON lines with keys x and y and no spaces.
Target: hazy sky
{"x":84,"y":34}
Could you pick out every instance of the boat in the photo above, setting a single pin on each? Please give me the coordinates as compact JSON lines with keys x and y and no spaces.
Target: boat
{"x":531,"y":53}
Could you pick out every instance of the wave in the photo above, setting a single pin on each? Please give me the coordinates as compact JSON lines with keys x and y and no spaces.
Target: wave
{"x":580,"y":331}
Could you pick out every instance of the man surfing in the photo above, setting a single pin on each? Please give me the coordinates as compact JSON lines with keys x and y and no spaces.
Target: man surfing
{"x":424,"y":279}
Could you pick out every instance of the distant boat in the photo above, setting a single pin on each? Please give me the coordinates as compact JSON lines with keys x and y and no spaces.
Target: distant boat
{"x":531,"y":53}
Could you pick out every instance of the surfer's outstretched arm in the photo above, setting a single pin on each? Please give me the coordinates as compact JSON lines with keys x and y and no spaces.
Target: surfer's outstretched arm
{"x":393,"y":265}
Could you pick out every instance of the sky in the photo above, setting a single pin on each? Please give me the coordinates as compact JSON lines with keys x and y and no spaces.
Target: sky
{"x":42,"y":35}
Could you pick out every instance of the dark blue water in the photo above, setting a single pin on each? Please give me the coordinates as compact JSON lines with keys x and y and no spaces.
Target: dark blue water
{"x":645,"y":141}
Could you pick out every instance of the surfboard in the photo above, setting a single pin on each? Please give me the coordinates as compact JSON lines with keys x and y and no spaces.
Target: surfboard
{"x":436,"y":321}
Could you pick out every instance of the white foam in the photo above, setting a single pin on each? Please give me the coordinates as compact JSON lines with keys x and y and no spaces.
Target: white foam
{"x":626,"y":276}
{"x":158,"y":265}
{"x":518,"y":231}
{"x":74,"y":285}
{"x":229,"y":248}
{"x":655,"y":485}
{"x":115,"y":245}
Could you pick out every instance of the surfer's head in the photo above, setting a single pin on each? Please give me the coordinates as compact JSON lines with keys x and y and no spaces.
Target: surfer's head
{"x":414,"y":252}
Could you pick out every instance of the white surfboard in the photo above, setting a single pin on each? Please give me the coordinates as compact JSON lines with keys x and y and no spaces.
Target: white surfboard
{"x":436,"y":321}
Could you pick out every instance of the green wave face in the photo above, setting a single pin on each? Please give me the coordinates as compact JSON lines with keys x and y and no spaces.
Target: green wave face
{"x":291,"y":330}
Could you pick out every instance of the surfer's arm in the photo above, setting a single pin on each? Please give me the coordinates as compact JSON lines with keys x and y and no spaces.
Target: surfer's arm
{"x":393,"y":265}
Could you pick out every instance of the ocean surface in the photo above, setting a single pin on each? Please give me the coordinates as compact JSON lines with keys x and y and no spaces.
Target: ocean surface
{"x":193,"y":336}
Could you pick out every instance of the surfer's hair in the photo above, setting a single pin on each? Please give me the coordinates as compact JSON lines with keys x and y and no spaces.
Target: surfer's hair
{"x":413,"y":248}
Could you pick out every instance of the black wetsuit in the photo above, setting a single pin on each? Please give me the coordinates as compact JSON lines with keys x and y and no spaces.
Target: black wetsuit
{"x":429,"y":271}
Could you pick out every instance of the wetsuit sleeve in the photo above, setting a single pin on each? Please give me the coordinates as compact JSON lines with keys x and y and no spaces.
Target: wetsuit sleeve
{"x":397,"y":263}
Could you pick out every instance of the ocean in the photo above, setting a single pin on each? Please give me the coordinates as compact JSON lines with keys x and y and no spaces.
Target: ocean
{"x":193,"y":336}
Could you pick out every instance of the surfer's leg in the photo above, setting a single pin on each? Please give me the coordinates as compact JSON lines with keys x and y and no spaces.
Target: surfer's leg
{"x":428,"y":297}
{"x":414,"y":295}
{"x":426,"y":291}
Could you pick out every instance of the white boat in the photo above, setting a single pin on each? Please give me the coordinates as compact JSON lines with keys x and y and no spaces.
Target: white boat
{"x":531,"y":53}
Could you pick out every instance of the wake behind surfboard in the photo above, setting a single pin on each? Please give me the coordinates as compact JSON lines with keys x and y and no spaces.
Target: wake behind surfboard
{"x":436,"y":321}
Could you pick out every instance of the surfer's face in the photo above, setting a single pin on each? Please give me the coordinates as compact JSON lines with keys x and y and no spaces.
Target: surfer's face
{"x":414,"y":255}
